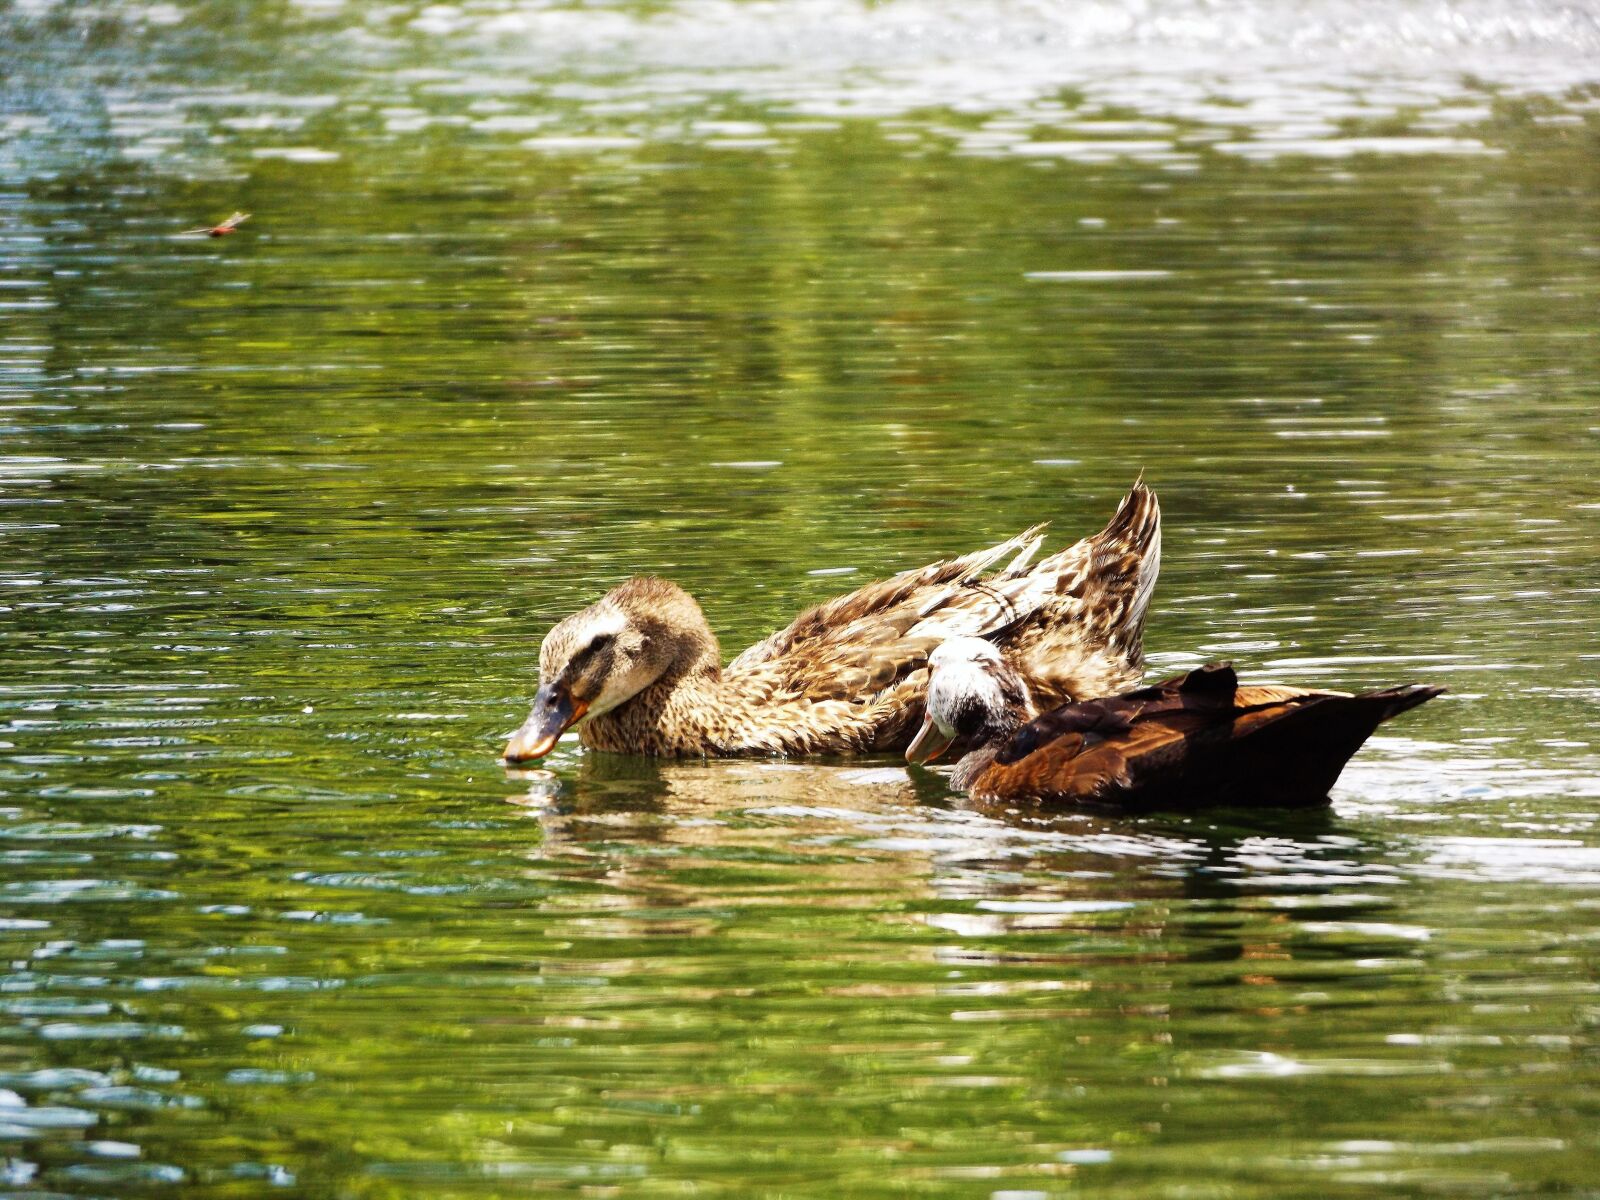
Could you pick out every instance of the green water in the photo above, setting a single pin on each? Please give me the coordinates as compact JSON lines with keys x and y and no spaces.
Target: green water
{"x":772,"y":301}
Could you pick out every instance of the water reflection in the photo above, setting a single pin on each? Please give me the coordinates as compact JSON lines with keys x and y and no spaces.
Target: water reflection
{"x":850,"y":820}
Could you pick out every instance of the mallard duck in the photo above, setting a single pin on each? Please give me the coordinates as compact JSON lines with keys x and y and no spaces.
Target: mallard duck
{"x":1192,"y":740}
{"x":639,"y":671}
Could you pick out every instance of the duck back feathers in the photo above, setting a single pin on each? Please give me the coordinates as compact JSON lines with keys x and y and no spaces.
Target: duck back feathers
{"x":1086,"y":601}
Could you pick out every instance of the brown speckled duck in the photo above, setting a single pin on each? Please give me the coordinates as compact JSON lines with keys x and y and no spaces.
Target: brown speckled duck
{"x":1192,"y":740}
{"x":639,"y":671}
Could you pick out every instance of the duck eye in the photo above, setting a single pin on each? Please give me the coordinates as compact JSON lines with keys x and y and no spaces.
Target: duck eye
{"x":601,"y":642}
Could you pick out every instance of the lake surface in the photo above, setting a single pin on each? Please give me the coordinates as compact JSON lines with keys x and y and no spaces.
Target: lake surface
{"x":773,"y":299}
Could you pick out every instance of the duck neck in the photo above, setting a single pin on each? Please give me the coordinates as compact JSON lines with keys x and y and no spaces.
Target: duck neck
{"x":667,"y":717}
{"x":997,"y":730}
{"x":973,"y":764}
{"x":704,"y":712}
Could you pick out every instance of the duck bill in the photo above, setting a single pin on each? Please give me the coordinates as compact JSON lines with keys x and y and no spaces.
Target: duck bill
{"x":928,"y":744}
{"x":554,"y":712}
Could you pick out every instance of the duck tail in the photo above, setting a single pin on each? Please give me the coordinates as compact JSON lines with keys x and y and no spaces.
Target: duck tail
{"x":1391,"y":702}
{"x":1127,"y":557}
{"x":1296,"y":749}
{"x":1084,"y":633}
{"x":1107,"y":579}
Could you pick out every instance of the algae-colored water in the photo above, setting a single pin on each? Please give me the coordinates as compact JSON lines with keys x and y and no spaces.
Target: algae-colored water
{"x":773,"y":299}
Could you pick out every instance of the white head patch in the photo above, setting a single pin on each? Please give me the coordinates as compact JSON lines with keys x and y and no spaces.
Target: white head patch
{"x":962,"y":678}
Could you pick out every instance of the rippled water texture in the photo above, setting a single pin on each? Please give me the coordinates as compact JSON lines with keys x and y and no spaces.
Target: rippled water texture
{"x":773,"y":298}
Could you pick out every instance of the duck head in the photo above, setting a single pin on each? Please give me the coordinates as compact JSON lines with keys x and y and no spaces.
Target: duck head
{"x":972,"y":694}
{"x":601,"y":657}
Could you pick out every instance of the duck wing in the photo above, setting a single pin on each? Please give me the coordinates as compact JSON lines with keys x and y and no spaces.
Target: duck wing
{"x":1195,"y":739}
{"x":896,"y":597}
{"x":879,"y":636}
{"x":1093,"y":744}
{"x":857,"y":644}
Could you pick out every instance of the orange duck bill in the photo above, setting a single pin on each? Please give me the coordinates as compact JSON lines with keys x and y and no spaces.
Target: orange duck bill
{"x":554,"y":712}
{"x":929,"y":743}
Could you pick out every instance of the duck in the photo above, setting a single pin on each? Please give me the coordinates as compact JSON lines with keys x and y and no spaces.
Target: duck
{"x":640,"y":671}
{"x":1193,"y":740}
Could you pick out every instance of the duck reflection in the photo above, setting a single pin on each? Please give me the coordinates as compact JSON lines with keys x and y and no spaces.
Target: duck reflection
{"x":909,"y":825}
{"x":995,"y":914}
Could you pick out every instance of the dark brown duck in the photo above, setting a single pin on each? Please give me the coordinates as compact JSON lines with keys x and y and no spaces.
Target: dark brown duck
{"x":1193,"y":740}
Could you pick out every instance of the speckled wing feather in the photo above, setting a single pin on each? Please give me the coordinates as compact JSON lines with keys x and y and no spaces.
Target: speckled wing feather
{"x":879,"y":637}
{"x":1086,"y":636}
{"x":887,"y":607}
